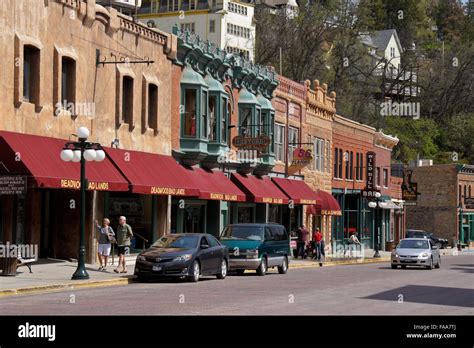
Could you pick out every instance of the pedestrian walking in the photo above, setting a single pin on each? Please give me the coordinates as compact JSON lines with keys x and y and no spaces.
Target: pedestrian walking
{"x":106,"y":237}
{"x":301,"y":241}
{"x":318,"y":238}
{"x":124,"y":240}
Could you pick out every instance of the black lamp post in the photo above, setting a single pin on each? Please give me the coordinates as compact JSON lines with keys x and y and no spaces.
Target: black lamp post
{"x":374,"y":205}
{"x":82,"y":151}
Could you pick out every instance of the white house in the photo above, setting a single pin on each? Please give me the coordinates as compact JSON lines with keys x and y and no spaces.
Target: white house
{"x":229,"y":24}
{"x":386,"y":51}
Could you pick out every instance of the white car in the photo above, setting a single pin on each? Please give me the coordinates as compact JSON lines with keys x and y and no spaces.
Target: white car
{"x":416,"y":252}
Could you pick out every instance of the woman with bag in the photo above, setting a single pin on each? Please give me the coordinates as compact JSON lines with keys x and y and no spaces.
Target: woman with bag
{"x":106,"y":238}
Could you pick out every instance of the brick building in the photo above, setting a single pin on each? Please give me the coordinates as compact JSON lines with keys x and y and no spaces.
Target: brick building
{"x":52,"y":85}
{"x":445,"y":204}
{"x":352,"y":142}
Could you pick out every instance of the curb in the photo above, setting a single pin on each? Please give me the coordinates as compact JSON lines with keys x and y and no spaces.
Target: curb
{"x":67,"y":286}
{"x":337,"y":263}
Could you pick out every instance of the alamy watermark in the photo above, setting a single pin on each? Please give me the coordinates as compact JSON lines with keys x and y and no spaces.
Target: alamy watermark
{"x":27,"y":251}
{"x":390,"y":108}
{"x":242,"y":156}
{"x":75,"y":109}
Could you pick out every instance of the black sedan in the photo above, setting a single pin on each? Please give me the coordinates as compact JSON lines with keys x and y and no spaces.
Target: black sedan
{"x":442,"y":243}
{"x":183,"y":255}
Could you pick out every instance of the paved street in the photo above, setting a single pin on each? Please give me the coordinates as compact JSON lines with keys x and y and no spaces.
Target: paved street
{"x":352,"y":289}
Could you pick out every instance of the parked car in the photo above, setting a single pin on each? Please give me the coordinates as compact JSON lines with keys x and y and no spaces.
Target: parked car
{"x":183,"y":255}
{"x":416,"y":252}
{"x":440,"y":242}
{"x":257,"y":247}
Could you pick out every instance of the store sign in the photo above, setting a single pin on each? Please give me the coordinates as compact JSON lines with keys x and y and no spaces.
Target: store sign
{"x":370,"y":191}
{"x":92,"y":185}
{"x":468,"y":200}
{"x":272,"y":200}
{"x":301,"y":159}
{"x":13,"y":185}
{"x":155,"y":190}
{"x":259,"y":143}
{"x":409,"y":188}
{"x":223,"y":197}
{"x":370,"y":177}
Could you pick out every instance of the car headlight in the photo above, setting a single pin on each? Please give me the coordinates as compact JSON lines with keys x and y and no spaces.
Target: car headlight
{"x":395,"y":254}
{"x":186,"y":257}
{"x":141,"y":258}
{"x":423,"y":256}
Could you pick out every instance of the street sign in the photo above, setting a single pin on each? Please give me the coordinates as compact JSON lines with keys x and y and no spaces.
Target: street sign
{"x":13,"y":185}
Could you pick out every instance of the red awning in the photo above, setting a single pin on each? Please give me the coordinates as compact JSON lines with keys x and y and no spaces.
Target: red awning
{"x":39,"y":157}
{"x":259,"y":189}
{"x":297,"y":190}
{"x":327,"y":205}
{"x":213,"y":184}
{"x":151,"y":173}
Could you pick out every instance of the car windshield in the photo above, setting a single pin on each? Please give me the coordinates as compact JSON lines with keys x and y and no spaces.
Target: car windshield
{"x":186,"y":242}
{"x":413,"y":244}
{"x":243,"y":232}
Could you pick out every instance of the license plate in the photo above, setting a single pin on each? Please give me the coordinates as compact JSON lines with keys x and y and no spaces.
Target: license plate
{"x":157,"y":268}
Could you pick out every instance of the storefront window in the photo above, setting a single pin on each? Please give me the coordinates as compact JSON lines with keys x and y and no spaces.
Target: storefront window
{"x":194,"y":219}
{"x":190,"y":112}
{"x":224,"y":116}
{"x":245,"y":121}
{"x":244,"y":214}
{"x":204,"y":124}
{"x":212,"y":132}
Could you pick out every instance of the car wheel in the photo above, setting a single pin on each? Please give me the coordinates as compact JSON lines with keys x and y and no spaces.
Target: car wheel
{"x":394,"y":266}
{"x":430,"y":266}
{"x":196,"y":269}
{"x":262,"y":269}
{"x":284,"y":266}
{"x":438,"y":265}
{"x":223,"y":273}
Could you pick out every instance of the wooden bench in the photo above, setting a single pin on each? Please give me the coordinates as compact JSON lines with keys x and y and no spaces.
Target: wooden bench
{"x":9,"y":265}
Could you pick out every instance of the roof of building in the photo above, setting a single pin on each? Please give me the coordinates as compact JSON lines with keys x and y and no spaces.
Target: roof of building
{"x":381,"y":38}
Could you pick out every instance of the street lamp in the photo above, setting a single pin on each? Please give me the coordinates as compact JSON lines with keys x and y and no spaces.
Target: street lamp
{"x":82,"y":151}
{"x":374,"y":205}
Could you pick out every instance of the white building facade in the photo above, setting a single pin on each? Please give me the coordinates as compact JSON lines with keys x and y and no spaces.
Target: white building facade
{"x":228,"y":24}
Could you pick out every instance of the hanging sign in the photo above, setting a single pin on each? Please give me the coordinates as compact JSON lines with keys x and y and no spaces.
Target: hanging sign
{"x":301,"y":159}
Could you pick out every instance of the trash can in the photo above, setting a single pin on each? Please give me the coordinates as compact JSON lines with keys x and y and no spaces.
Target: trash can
{"x":389,"y":245}
{"x":9,"y":266}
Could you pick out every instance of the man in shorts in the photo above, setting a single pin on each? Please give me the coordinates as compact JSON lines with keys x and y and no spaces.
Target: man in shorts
{"x":124,"y":240}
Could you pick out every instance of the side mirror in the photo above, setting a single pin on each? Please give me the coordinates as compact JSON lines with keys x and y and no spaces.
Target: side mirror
{"x":204,"y":246}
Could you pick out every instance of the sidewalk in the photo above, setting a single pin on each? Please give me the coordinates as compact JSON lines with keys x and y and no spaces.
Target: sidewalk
{"x":51,"y":275}
{"x":54,"y":275}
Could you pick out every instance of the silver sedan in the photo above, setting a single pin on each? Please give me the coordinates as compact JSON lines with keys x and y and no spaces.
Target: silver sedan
{"x":416,"y":252}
